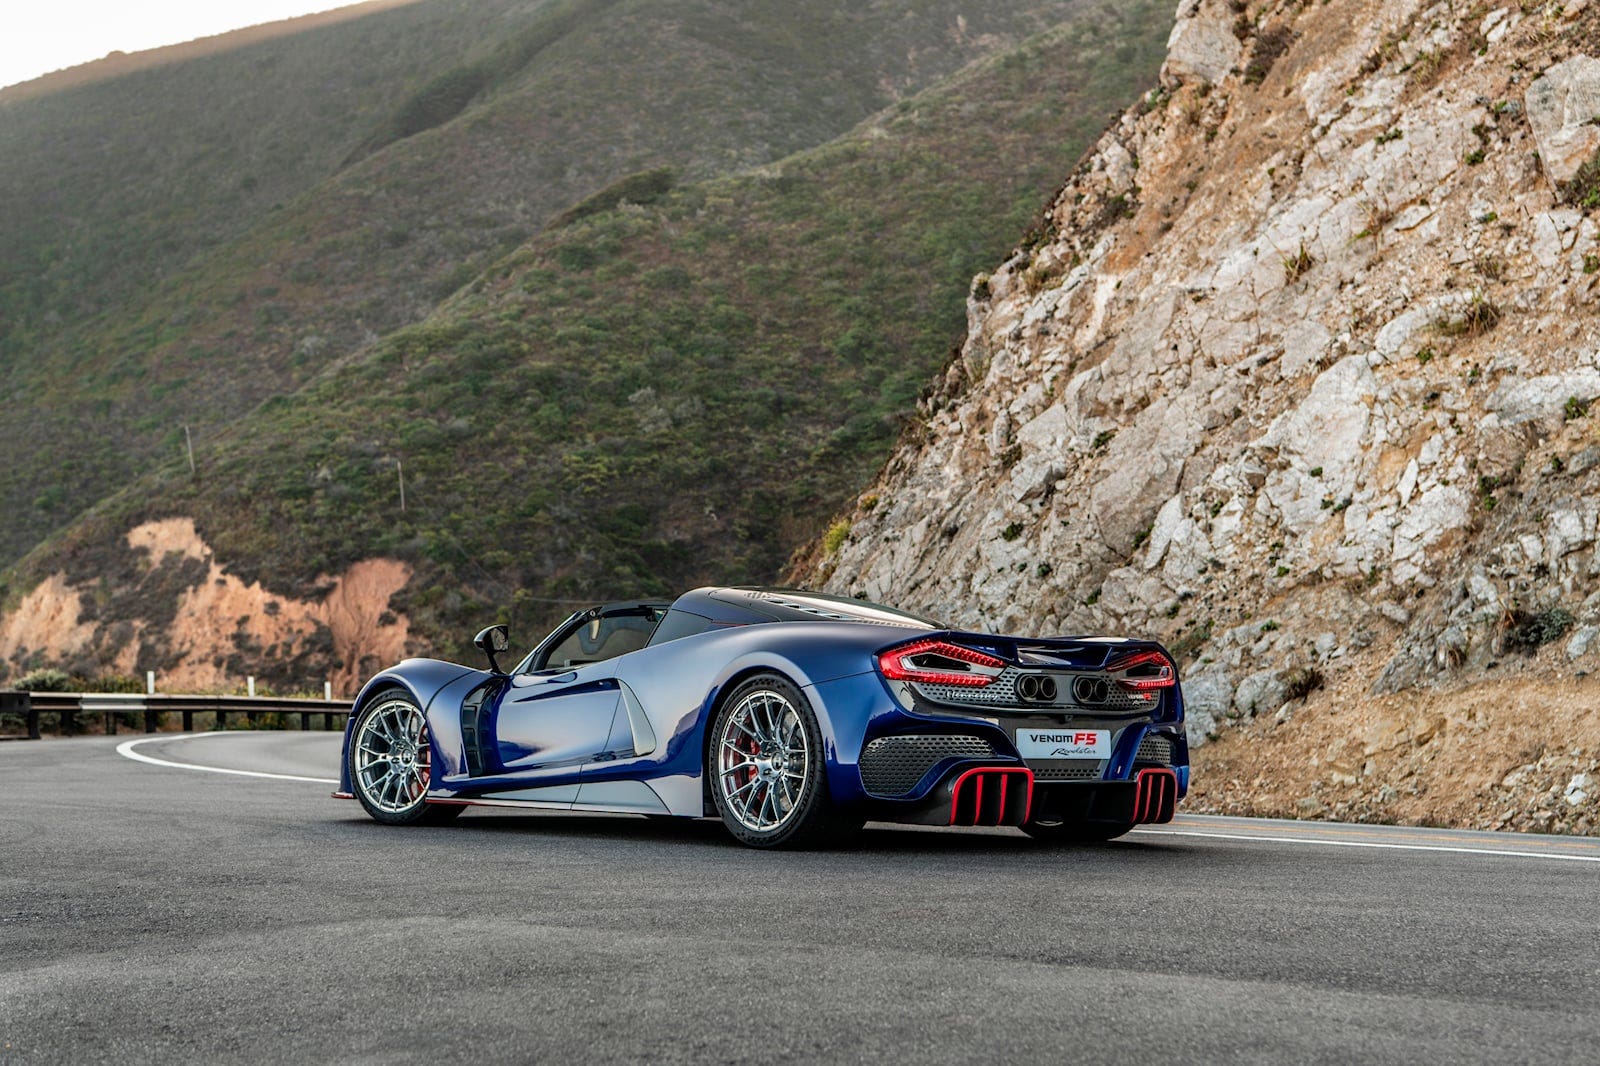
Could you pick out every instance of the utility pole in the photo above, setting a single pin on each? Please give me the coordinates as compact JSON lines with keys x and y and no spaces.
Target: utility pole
{"x":188,"y":443}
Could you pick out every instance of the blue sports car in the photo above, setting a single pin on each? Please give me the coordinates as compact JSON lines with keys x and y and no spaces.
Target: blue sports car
{"x":792,"y":716}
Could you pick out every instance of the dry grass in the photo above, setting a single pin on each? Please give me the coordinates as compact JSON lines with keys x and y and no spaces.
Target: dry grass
{"x":1296,"y":264}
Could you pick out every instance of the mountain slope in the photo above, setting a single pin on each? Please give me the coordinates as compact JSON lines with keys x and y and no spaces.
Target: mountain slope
{"x":644,"y":397}
{"x":187,"y":241}
{"x":1298,"y":378}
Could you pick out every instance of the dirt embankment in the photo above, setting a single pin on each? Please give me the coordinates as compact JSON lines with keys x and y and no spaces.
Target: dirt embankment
{"x":1517,"y":751}
{"x":202,"y":628}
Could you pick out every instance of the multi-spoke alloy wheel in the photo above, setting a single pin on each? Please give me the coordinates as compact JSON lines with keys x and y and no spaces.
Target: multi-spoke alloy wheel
{"x":391,"y":761}
{"x":762,"y":759}
{"x":766,"y":768}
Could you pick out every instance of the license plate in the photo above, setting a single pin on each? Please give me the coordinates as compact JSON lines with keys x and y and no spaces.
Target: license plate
{"x":1064,"y":743}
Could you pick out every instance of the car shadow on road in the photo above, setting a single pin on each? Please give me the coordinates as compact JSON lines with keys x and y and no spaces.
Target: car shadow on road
{"x":876,"y":838}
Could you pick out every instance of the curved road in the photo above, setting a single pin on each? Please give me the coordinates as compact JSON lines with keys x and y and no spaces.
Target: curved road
{"x":152,"y":912}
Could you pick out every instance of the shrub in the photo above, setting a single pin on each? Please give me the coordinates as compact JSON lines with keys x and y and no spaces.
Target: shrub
{"x":1272,"y":43}
{"x":833,"y":539}
{"x":1300,"y":682}
{"x":45,"y":680}
{"x":1529,"y":631}
{"x":644,"y":187}
{"x":1479,"y":317}
{"x":1584,"y":188}
{"x":108,"y":683}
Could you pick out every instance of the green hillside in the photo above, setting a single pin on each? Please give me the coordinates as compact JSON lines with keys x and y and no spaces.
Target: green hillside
{"x":185,"y":242}
{"x":655,"y":394}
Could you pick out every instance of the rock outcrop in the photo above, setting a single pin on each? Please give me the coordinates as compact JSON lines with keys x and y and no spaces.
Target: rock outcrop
{"x":1295,"y":373}
{"x":173,"y":608}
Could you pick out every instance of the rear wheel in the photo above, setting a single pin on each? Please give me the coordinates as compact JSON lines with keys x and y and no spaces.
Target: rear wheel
{"x":1076,"y":832}
{"x":768,"y":779}
{"x":391,"y":762}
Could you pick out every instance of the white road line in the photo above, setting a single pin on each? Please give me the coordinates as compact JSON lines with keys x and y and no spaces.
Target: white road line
{"x":1369,"y":844}
{"x":125,"y":749}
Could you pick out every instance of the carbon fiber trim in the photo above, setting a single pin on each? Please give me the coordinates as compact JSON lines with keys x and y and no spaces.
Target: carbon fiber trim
{"x":892,"y":766}
{"x":1154,"y":748}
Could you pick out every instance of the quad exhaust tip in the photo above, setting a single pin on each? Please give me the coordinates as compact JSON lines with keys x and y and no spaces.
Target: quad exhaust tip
{"x":1090,"y":689}
{"x":1037,"y":688}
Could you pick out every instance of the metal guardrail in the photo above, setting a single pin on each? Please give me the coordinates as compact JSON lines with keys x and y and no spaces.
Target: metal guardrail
{"x":114,"y":706}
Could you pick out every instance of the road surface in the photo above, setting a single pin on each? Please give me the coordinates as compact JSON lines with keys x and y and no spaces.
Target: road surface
{"x":151,"y":910}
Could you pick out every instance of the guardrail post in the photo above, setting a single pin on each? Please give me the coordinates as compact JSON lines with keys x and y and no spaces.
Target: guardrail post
{"x":21,"y":705}
{"x":111,"y":724}
{"x":222,"y":718}
{"x":188,"y":720}
{"x":68,"y":723}
{"x":150,"y":716}
{"x":305,"y":721}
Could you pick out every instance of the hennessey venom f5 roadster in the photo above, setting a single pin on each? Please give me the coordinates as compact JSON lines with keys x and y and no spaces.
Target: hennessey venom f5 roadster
{"x":792,"y":716}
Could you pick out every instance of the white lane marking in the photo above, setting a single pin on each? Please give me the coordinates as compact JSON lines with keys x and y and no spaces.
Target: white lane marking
{"x":1370,"y":844}
{"x":125,"y":749}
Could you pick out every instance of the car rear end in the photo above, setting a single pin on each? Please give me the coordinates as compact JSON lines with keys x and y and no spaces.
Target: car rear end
{"x":987,"y":730}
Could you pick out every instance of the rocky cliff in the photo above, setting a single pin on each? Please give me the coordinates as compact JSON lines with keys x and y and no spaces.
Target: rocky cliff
{"x":1296,"y":373}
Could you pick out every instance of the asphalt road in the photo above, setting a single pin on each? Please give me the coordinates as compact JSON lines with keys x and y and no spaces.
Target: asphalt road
{"x":154,"y":913}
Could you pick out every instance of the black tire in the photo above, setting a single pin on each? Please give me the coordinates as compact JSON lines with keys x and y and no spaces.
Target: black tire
{"x":763,"y":798}
{"x":391,"y":732}
{"x":1076,"y":832}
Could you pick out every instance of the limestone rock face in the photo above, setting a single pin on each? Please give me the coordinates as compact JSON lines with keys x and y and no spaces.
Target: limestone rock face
{"x":1202,"y":45}
{"x":1299,"y":377}
{"x":1564,"y":111}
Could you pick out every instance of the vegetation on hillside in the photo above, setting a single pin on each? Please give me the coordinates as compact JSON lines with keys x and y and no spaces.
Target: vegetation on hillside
{"x":176,"y":250}
{"x":652,"y":395}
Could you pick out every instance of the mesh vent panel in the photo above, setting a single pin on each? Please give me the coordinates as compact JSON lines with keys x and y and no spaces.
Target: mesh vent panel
{"x":1155,"y":748}
{"x":892,"y":766}
{"x":1067,"y":770}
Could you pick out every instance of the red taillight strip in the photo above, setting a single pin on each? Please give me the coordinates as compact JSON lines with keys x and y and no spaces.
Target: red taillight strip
{"x":1166,"y":678}
{"x":896,"y":664}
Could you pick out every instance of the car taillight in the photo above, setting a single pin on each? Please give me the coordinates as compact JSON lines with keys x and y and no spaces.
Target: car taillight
{"x":939,"y":662}
{"x":1143,"y":671}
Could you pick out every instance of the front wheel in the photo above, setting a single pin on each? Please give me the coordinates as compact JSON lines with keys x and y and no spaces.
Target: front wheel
{"x":391,"y":762}
{"x":1076,"y":832}
{"x":768,"y":779}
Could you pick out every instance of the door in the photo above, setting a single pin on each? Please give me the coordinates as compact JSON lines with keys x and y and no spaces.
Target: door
{"x":548,"y":725}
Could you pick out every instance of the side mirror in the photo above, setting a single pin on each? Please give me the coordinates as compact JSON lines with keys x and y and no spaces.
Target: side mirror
{"x":492,"y":642}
